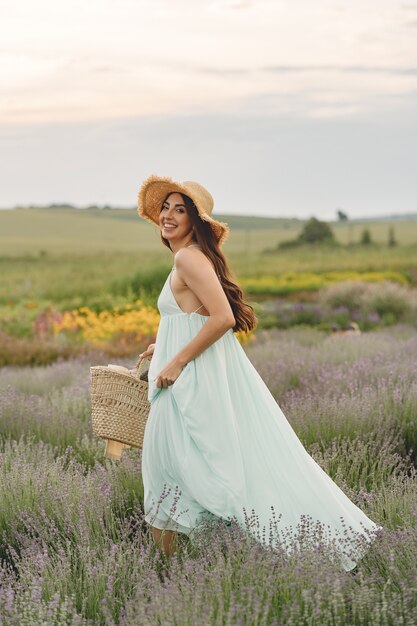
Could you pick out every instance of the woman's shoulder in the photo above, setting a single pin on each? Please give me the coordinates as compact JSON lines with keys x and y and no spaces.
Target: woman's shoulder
{"x":188,"y":252}
{"x":193,"y":253}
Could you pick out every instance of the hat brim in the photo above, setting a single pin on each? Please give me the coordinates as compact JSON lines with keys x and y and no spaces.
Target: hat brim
{"x":155,"y":189}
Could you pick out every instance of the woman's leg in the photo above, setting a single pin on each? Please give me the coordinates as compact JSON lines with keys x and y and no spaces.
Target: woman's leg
{"x":165,"y":539}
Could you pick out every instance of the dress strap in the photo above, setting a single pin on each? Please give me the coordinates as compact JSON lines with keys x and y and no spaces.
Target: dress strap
{"x":200,"y":307}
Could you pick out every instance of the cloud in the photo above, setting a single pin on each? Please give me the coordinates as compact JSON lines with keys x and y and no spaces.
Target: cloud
{"x":349,"y":69}
{"x":299,"y":69}
{"x":231,"y":4}
{"x":107,"y":69}
{"x":238,"y":4}
{"x":222,"y":71}
{"x":102,"y":59}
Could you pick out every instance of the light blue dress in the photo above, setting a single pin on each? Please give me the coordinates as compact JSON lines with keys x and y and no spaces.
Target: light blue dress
{"x":217,"y":444}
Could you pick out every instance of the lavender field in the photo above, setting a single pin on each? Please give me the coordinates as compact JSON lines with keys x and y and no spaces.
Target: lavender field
{"x":74,"y":547}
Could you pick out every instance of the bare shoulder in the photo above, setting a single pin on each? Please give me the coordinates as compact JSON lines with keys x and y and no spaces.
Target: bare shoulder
{"x":185,"y":256}
{"x":192,"y":260}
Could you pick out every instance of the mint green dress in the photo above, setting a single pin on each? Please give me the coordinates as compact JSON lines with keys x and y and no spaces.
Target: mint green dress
{"x":217,"y":444}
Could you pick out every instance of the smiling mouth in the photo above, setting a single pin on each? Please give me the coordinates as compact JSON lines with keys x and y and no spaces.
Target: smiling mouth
{"x":169,"y":226}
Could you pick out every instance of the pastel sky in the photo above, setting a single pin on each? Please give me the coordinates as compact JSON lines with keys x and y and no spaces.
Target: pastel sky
{"x":278,"y":108}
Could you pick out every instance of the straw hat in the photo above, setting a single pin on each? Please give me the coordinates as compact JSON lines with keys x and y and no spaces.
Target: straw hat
{"x":155,"y":189}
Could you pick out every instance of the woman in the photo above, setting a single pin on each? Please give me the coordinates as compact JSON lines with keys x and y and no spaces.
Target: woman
{"x":216,"y":443}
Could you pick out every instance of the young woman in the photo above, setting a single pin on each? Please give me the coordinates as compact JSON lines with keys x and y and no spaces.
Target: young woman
{"x":216,"y":442}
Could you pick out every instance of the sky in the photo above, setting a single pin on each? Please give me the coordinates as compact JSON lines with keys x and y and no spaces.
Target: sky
{"x":279,"y":108}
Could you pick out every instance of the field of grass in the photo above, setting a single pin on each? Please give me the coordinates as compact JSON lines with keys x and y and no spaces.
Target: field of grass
{"x":104,"y":260}
{"x":75,"y":548}
{"x":65,"y":231}
{"x":66,"y":254}
{"x":64,"y":277}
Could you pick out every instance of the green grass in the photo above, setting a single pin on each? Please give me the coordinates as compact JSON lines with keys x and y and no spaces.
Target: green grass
{"x":68,"y":254}
{"x":30,"y":231}
{"x":63,"y":277}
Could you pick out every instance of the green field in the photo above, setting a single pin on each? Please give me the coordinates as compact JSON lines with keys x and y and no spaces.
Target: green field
{"x":88,"y":231}
{"x":60,"y":253}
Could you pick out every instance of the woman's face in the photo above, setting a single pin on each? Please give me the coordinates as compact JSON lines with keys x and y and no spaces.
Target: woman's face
{"x":174,"y":221}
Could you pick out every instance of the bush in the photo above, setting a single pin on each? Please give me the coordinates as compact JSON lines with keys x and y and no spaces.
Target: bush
{"x":391,"y":299}
{"x":349,"y":293}
{"x":391,"y":237}
{"x":366,"y":238}
{"x":281,"y":314}
{"x":24,"y":351}
{"x":339,"y":304}
{"x":315,"y":231}
{"x":372,"y":302}
{"x":131,"y":324}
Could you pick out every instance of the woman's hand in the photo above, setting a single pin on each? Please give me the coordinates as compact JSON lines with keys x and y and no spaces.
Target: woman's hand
{"x":149,"y":350}
{"x":169,"y":374}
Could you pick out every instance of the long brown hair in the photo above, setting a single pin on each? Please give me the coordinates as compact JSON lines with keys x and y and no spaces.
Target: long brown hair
{"x":243,"y":312}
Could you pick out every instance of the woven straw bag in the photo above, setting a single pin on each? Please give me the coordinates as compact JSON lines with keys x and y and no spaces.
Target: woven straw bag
{"x":119,"y":404}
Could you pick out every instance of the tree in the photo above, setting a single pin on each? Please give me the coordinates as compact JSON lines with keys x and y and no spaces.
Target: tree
{"x":315,"y":231}
{"x":391,"y":237}
{"x":341,"y":216}
{"x":366,"y":238}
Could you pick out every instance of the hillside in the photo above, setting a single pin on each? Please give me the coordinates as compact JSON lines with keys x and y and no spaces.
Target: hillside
{"x":68,"y":230}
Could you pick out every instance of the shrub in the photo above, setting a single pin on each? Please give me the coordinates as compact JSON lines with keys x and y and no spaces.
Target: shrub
{"x":366,"y":238}
{"x":130,"y":324}
{"x":25,"y":351}
{"x":386,"y":300}
{"x":281,"y":314}
{"x":390,"y":299}
{"x":315,"y":231}
{"x":391,"y":237}
{"x":368,"y":304}
{"x":349,"y":294}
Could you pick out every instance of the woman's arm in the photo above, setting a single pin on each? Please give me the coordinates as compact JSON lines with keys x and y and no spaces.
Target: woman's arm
{"x":197,"y":272}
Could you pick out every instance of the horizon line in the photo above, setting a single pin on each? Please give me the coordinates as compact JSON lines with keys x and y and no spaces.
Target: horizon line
{"x":107,"y":207}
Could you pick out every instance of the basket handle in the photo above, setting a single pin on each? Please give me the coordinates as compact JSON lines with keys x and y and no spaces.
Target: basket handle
{"x":138,"y":365}
{"x":139,"y":361}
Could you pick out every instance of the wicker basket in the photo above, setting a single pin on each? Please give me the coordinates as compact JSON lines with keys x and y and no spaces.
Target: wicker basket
{"x":119,"y":404}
